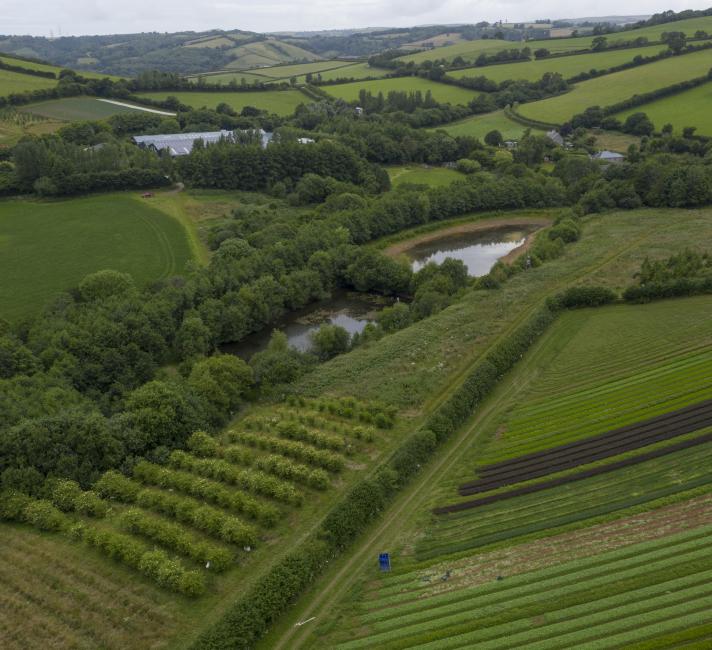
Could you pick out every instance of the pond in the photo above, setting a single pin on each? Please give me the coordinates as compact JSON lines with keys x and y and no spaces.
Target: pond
{"x":352,"y":311}
{"x":478,"y":250}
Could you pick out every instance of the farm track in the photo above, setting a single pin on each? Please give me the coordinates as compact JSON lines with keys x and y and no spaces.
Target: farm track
{"x":582,"y":452}
{"x":595,"y":471}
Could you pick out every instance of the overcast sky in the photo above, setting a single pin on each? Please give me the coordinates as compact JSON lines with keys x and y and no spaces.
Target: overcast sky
{"x":72,"y":17}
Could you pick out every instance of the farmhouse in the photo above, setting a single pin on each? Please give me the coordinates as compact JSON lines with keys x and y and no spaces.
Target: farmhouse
{"x":181,"y":144}
{"x":609,"y":157}
{"x":555,"y":137}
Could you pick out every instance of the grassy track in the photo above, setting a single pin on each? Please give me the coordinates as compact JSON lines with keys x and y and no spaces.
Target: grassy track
{"x":281,"y":102}
{"x":49,"y":246}
{"x":609,"y":89}
{"x":442,"y":93}
{"x":567,"y":66}
{"x":689,"y":108}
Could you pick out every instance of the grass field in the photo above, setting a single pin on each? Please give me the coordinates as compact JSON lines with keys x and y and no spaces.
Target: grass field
{"x":616,"y":87}
{"x":470,"y":50}
{"x":227,"y":77}
{"x":567,"y":66}
{"x":71,"y":109}
{"x":267,"y":53}
{"x":478,"y":126}
{"x":50,"y":68}
{"x":432,"y":176}
{"x":442,"y":93}
{"x":352,"y":71}
{"x":281,"y":102}
{"x":300,"y":69}
{"x":16,"y":82}
{"x":47,"y":247}
{"x":689,"y":108}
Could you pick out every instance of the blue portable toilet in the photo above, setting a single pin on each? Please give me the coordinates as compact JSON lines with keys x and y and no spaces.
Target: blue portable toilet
{"x":384,"y":561}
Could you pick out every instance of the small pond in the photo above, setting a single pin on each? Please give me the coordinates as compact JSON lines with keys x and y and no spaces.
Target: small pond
{"x":478,"y":250}
{"x":352,"y":311}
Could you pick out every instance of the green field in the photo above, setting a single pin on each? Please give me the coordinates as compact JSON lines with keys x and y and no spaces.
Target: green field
{"x":432,"y":176}
{"x":267,"y":53}
{"x":352,"y":71}
{"x":299,"y":69}
{"x":227,"y":77}
{"x":567,"y":66}
{"x":470,"y":50}
{"x":478,"y":126}
{"x":613,"y":88}
{"x":443,"y":93}
{"x":71,"y":109}
{"x":15,"y":82}
{"x":48,"y":247}
{"x":281,"y":102}
{"x":45,"y":67}
{"x":689,"y":108}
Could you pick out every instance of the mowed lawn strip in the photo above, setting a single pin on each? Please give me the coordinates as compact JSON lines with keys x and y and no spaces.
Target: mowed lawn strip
{"x":281,"y":102}
{"x":442,"y":93}
{"x":616,"y":87}
{"x":48,"y":246}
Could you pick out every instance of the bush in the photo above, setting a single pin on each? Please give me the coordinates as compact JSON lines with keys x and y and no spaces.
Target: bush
{"x":43,"y":515}
{"x":576,"y":297}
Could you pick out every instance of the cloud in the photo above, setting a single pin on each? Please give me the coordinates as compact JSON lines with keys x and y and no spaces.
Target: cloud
{"x":110,"y":17}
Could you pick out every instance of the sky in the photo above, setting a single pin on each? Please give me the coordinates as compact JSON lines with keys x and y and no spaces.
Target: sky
{"x":75,"y":17}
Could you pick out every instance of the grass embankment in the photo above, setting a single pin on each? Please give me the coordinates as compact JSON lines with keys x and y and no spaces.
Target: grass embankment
{"x":442,"y":93}
{"x":48,"y":246}
{"x":281,"y":102}
{"x":613,"y":88}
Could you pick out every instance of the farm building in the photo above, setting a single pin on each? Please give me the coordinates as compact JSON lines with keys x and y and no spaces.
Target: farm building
{"x":181,"y":144}
{"x":609,"y":157}
{"x":555,"y":137}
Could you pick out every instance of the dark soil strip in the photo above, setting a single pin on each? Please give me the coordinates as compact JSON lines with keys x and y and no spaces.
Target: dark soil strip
{"x":563,"y":480}
{"x":608,"y":444}
{"x":594,"y":452}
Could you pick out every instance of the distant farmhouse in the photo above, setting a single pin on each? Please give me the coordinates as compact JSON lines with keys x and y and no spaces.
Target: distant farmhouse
{"x":609,"y":157}
{"x":181,"y":144}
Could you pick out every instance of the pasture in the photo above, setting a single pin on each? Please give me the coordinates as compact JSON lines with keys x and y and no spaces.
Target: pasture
{"x":300,"y":69}
{"x":48,"y":246}
{"x":566,"y":66}
{"x":689,"y":108}
{"x":71,"y":109}
{"x":16,"y":82}
{"x":267,"y":53}
{"x":281,"y":102}
{"x":478,"y":126}
{"x":616,"y":87}
{"x":352,"y":71}
{"x":423,"y":175}
{"x":228,"y":77}
{"x":442,"y":93}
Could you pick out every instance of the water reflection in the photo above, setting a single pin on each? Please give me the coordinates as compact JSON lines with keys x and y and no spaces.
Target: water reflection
{"x":477,"y":250}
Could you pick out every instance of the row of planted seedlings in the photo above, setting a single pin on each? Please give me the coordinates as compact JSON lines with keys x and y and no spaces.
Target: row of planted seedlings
{"x":195,"y":514}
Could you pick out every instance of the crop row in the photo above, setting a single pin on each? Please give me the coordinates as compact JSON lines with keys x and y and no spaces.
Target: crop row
{"x":212,"y":491}
{"x":288,"y":469}
{"x":397,"y":604}
{"x":68,"y":496}
{"x":290,"y":448}
{"x":214,"y":522}
{"x":251,"y":480}
{"x":656,"y":479}
{"x":176,"y":538}
{"x":291,"y":429}
{"x":359,"y":432}
{"x":501,"y":609}
{"x":205,"y":446}
{"x":596,"y":450}
{"x":346,"y":407}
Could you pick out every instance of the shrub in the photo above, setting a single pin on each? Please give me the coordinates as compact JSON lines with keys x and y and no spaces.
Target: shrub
{"x":43,"y":515}
{"x":583,"y":297}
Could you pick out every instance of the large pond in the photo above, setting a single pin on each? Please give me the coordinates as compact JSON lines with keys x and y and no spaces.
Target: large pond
{"x":478,"y":250}
{"x":352,"y":311}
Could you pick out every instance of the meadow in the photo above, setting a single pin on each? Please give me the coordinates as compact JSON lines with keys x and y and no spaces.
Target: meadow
{"x":613,"y":88}
{"x":71,"y":109}
{"x":431,"y":176}
{"x":16,"y":82}
{"x":352,"y":71}
{"x":227,"y":77}
{"x":45,"y":67}
{"x":300,"y":69}
{"x":442,"y":93}
{"x":79,"y":236}
{"x":281,"y":102}
{"x":689,"y":108}
{"x":470,"y":50}
{"x":267,"y":53}
{"x":478,"y":126}
{"x":567,"y":66}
